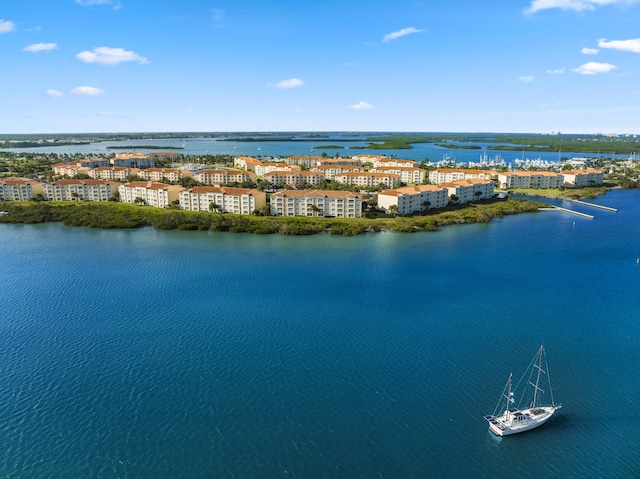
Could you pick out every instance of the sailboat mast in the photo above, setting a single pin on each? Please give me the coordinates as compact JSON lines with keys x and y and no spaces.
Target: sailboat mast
{"x":509,"y":395}
{"x":535,"y":393}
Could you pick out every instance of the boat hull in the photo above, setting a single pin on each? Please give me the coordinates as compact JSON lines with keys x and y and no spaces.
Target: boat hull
{"x":510,"y":423}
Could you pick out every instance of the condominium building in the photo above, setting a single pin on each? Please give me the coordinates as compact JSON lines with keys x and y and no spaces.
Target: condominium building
{"x":407,"y":174}
{"x":582,"y":178}
{"x":246,"y":163}
{"x":340,"y":204}
{"x":330,"y":170}
{"x":473,"y":189}
{"x":304,"y":160}
{"x":340,"y":161}
{"x":373,"y":159}
{"x":131,"y":159}
{"x":530,"y":179}
{"x":241,"y":201}
{"x":92,"y":162}
{"x":264,"y":168}
{"x":368,"y":179}
{"x":19,"y":189}
{"x":70,"y":169}
{"x":150,"y":193}
{"x":446,"y":175}
{"x":223,"y":177}
{"x":80,"y":190}
{"x":382,"y":162}
{"x":294,"y":178}
{"x":411,"y":199}
{"x":118,"y":173}
{"x":165,"y":155}
{"x":169,"y":174}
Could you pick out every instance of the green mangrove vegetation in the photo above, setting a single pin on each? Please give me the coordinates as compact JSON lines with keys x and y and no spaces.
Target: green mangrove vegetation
{"x":122,"y":215}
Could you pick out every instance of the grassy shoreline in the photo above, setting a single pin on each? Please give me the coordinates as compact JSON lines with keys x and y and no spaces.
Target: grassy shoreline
{"x":121,"y":215}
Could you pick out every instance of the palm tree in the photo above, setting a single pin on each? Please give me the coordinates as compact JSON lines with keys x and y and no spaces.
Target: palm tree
{"x":213,"y":206}
{"x":75,"y":196}
{"x":425,"y":205}
{"x":314,"y":209}
{"x":139,"y":201}
{"x":393,"y":209}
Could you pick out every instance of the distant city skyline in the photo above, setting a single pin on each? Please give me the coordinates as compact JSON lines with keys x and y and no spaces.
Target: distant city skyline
{"x":537,"y":66}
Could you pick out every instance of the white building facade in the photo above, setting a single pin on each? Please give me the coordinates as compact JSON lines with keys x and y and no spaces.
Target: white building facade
{"x":242,"y":201}
{"x":80,"y":190}
{"x":412,"y":199}
{"x":339,"y":204}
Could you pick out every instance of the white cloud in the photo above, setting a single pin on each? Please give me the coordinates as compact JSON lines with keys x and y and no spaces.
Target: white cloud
{"x":593,"y":68}
{"x":589,"y":51}
{"x":6,"y":26}
{"x":557,"y":71}
{"x":291,"y":83}
{"x":400,"y":33}
{"x":526,"y":78}
{"x":575,"y":5}
{"x":87,"y":90}
{"x":40,"y":47}
{"x":362,"y":105}
{"x":632,"y":45}
{"x":110,"y":56}
{"x":51,"y":92}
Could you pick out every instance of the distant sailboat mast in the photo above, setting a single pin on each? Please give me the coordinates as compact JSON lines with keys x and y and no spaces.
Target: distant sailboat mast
{"x":536,"y":388}
{"x":509,"y":395}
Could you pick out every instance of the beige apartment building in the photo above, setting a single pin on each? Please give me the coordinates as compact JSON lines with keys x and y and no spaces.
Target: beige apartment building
{"x":304,"y":160}
{"x":19,"y":189}
{"x":242,"y":201}
{"x":339,"y":204}
{"x":339,"y":161}
{"x":412,"y":199}
{"x":294,"y":178}
{"x":80,"y":190}
{"x":330,"y":170}
{"x":384,"y":162}
{"x":150,"y":193}
{"x":223,"y":177}
{"x":70,"y":169}
{"x":473,"y":189}
{"x":247,"y":163}
{"x":407,"y":174}
{"x":169,"y":174}
{"x":368,"y":179}
{"x":582,"y":178}
{"x":132,"y":159}
{"x":114,"y":173}
{"x":530,"y":179}
{"x":264,"y":168}
{"x":446,"y":175}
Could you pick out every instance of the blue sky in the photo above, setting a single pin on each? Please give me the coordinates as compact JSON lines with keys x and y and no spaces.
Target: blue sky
{"x":350,"y":65}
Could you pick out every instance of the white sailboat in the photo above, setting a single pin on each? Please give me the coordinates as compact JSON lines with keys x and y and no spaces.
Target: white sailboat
{"x":521,"y":418}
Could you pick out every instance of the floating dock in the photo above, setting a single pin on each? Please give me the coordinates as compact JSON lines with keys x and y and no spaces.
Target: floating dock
{"x":595,"y":206}
{"x":558,"y":208}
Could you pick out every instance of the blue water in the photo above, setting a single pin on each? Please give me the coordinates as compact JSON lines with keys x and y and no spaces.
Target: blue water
{"x":204,"y":146}
{"x":165,"y":354}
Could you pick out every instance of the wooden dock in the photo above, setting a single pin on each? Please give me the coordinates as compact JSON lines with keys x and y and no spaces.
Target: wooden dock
{"x":607,"y":208}
{"x":558,"y":208}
